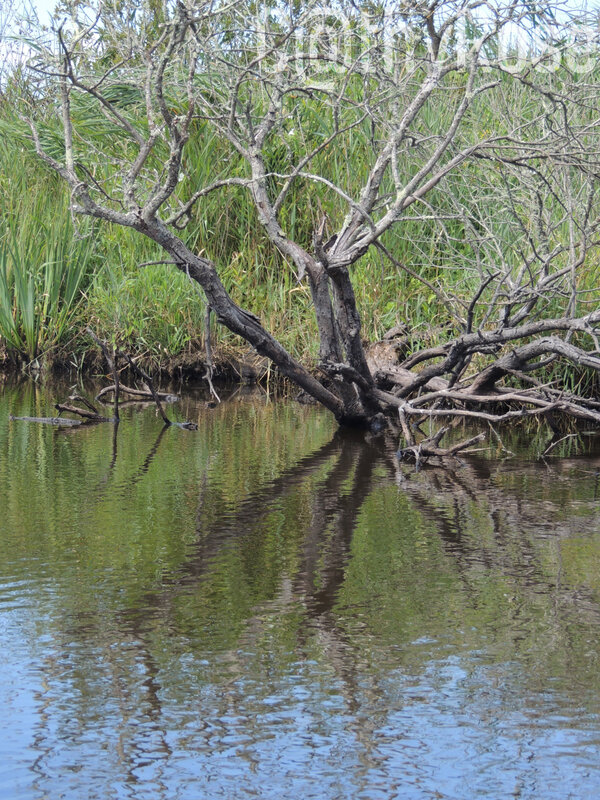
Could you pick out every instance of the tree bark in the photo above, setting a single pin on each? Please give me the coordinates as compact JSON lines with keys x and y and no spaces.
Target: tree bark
{"x":239,"y":321}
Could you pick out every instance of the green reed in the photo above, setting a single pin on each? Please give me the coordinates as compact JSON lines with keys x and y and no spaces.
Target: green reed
{"x":44,"y":261}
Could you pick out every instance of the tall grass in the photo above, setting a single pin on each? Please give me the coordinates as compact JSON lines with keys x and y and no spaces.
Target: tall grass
{"x":42,"y":273}
{"x":154,"y":310}
{"x":52,"y":283}
{"x":44,"y":262}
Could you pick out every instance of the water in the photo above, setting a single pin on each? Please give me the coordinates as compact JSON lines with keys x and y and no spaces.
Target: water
{"x":266,"y":608}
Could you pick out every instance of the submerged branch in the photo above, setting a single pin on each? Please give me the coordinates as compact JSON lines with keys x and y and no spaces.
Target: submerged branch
{"x":430,"y":447}
{"x":90,"y":416}
{"x":111,"y":360}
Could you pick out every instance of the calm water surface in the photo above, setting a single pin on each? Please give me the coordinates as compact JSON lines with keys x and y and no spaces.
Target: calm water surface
{"x":266,"y":608}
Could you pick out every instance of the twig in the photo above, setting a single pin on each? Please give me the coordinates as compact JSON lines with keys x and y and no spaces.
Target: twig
{"x":499,"y":440}
{"x":429,"y":447}
{"x":553,"y":444}
{"x":209,"y":359}
{"x":143,"y":394}
{"x":79,"y":399}
{"x":111,"y":361}
{"x":408,"y":434}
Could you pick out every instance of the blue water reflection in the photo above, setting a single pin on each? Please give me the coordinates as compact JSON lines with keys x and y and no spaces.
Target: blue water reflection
{"x":267,"y":608}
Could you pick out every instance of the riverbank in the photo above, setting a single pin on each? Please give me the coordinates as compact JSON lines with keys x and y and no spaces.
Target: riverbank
{"x":229,"y":365}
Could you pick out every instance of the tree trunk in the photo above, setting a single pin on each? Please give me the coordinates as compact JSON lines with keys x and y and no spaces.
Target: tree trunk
{"x":329,"y":344}
{"x":245,"y":323}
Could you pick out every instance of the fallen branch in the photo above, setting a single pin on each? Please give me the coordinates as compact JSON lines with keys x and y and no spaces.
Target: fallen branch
{"x":79,"y":399}
{"x":520,"y":413}
{"x":150,"y":385}
{"x":150,"y":391}
{"x":430,"y":447}
{"x":91,"y":416}
{"x":403,"y":378}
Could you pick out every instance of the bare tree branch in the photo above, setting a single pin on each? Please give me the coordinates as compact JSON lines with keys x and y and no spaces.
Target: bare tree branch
{"x":478,"y":180}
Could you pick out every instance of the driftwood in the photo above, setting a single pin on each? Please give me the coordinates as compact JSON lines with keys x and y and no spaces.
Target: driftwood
{"x":188,"y":426}
{"x":150,"y":387}
{"x":89,"y":413}
{"x":147,"y":392}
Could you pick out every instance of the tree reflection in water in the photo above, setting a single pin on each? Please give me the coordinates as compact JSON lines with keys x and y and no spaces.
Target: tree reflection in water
{"x":342,"y":476}
{"x":357,"y":580}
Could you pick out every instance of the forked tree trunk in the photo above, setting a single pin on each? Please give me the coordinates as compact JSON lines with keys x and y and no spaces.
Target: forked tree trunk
{"x":344,"y":405}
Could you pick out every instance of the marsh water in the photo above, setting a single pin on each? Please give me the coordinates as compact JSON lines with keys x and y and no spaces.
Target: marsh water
{"x":270,"y":608}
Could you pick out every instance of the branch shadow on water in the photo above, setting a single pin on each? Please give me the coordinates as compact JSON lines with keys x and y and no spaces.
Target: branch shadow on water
{"x":319,"y":502}
{"x":340,"y":477}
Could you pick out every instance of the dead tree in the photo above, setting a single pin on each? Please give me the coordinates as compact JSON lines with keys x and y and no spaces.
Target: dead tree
{"x":493,"y":153}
